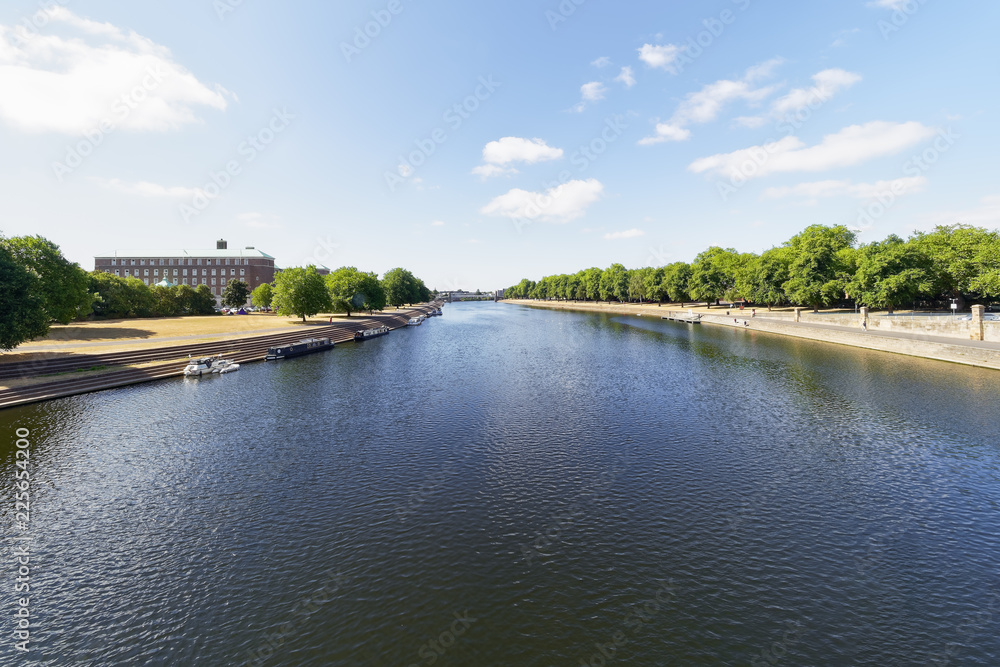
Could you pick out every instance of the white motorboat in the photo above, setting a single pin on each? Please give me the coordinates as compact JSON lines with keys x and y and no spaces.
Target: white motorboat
{"x":225,"y":366}
{"x":199,"y":367}
{"x":414,"y":322}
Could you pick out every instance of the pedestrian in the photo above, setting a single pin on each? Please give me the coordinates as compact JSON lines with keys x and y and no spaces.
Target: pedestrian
{"x":753,"y":313}
{"x":864,"y":325}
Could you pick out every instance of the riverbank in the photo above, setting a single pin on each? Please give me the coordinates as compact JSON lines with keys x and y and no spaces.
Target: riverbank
{"x":840,"y":329}
{"x":55,"y":375}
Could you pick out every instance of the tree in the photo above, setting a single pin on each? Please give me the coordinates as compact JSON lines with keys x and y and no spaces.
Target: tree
{"x":614,"y":283}
{"x":62,"y":285}
{"x":352,"y":291}
{"x":22,"y":311}
{"x":165,"y":301}
{"x":762,"y":279}
{"x":235,"y":294}
{"x":301,"y":292}
{"x":262,"y":296}
{"x":119,"y":297}
{"x":712,"y":274}
{"x":956,"y":253}
{"x":890,"y":272}
{"x":400,"y":287}
{"x":821,"y":265}
{"x":592,"y":283}
{"x":676,"y":280}
{"x":203,"y":301}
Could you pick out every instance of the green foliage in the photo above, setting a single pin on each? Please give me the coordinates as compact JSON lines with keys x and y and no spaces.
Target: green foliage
{"x":301,"y":292}
{"x":351,"y":290}
{"x":763,"y":277}
{"x":890,"y":273}
{"x":236,"y":293}
{"x":713,"y":274}
{"x":22,"y":311}
{"x":203,"y":301}
{"x":401,"y":287}
{"x":118,"y":297}
{"x":614,"y":283}
{"x":262,"y":296}
{"x":821,"y":265}
{"x":62,"y":285}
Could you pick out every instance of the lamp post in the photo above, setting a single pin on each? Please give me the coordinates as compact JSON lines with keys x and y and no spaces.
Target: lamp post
{"x":954,"y":307}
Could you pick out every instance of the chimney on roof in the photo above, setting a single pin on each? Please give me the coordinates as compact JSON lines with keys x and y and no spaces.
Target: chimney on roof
{"x":221,"y":244}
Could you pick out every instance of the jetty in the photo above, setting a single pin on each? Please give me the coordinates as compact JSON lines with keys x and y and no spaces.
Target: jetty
{"x":689,"y":318}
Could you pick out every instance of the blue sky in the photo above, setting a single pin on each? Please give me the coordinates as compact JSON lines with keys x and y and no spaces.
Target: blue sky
{"x":479,"y":143}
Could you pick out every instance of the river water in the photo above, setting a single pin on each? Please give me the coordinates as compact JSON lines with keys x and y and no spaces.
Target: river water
{"x":514,"y":486}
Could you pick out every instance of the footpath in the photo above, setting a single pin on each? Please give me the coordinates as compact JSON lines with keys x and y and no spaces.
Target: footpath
{"x":985,"y":354}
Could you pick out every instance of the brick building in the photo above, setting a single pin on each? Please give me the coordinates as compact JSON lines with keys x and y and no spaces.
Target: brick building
{"x":213,"y":268}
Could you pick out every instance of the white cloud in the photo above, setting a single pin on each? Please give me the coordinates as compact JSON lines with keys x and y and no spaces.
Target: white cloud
{"x":516,"y":149}
{"x":889,"y":4}
{"x":603,"y":61}
{"x":666,"y":132}
{"x":827,"y":83}
{"x":986,"y":214}
{"x":591,"y":92}
{"x":705,"y":105}
{"x":626,"y":77}
{"x":147,"y":189}
{"x":852,"y":145}
{"x":491,"y":170}
{"x":71,"y":84}
{"x":660,"y":57}
{"x":844,"y":188}
{"x":437,"y":223}
{"x":256,"y":220}
{"x":559,"y":204}
{"x":504,"y":151}
{"x":627,"y":234}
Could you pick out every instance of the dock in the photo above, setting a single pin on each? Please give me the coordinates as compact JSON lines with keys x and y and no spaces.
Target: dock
{"x":687,"y":318}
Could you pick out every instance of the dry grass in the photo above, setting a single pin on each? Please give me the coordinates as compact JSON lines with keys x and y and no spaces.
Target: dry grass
{"x":138,"y":334}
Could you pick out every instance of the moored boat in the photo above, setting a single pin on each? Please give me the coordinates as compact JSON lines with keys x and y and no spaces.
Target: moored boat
{"x":225,"y":366}
{"x":414,"y":322}
{"x":201,"y":366}
{"x":304,"y":346}
{"x":371,"y":333}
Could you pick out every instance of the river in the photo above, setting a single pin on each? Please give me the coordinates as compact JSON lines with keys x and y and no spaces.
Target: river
{"x":513,"y":486}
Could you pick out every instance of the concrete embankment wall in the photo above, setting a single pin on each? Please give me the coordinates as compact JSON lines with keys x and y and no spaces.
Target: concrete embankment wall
{"x":930,"y":325}
{"x":781,"y":324}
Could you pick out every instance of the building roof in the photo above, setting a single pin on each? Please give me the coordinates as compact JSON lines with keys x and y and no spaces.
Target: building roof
{"x":205,"y":253}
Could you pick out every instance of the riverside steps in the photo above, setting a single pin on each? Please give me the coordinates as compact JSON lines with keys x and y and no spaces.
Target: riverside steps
{"x":96,"y":372}
{"x":980,"y":345}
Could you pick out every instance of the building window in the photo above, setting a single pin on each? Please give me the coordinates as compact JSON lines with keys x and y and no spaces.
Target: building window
{"x":213,"y":281}
{"x":156,"y":272}
{"x":243,"y":272}
{"x":246,"y":262}
{"x":227,"y":262}
{"x":213,"y":272}
{"x":132,"y":261}
{"x":116,"y":272}
{"x":114,"y":262}
{"x":145,"y":272}
{"x":175,"y":272}
{"x":185,"y":273}
{"x":204,"y":272}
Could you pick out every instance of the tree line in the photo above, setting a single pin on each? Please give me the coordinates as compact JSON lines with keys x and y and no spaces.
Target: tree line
{"x":303,"y":292}
{"x":39,"y":286}
{"x":822,"y":266}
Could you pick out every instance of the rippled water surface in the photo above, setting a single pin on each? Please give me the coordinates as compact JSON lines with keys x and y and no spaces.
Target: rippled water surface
{"x":512,"y":486}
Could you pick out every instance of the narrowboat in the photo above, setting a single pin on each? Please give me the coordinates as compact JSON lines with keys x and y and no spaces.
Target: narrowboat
{"x":305,"y":346}
{"x":371,"y":333}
